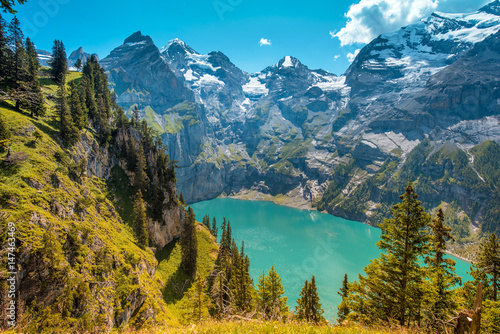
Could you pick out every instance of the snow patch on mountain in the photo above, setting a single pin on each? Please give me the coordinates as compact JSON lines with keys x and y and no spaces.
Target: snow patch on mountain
{"x":330,"y":83}
{"x":472,"y":28}
{"x":254,"y":87}
{"x":287,"y":62}
{"x":131,"y":44}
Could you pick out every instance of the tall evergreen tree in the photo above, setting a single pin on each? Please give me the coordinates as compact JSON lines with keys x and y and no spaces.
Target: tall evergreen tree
{"x":215,"y":229}
{"x":343,"y":308}
{"x":404,"y":242}
{"x":141,"y":179}
{"x":5,"y":56}
{"x":393,"y":285}
{"x":197,"y":300}
{"x":442,"y":270}
{"x":135,"y":116}
{"x":69,"y":132}
{"x":271,"y":300}
{"x":36,"y":103}
{"x":76,"y":107}
{"x":78,"y":64}
{"x":221,"y":289}
{"x":308,"y":306}
{"x":206,"y":222}
{"x":18,"y":72}
{"x":220,"y":292}
{"x":58,"y":63}
{"x":33,"y":64}
{"x":140,"y":220}
{"x":241,"y":282}
{"x":189,"y":243}
{"x":489,"y":263}
{"x":88,"y":94}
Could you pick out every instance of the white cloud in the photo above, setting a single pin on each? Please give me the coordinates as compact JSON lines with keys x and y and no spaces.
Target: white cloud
{"x":336,"y":57}
{"x":264,"y":41}
{"x":352,"y":56}
{"x":369,"y":18}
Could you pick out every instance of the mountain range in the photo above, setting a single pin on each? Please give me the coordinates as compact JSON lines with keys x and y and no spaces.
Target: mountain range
{"x":421,"y":103}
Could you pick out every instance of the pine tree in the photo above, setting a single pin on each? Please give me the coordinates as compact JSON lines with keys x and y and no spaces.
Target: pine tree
{"x":87,"y":89}
{"x":442,"y":270}
{"x":308,"y":306}
{"x":58,"y":63}
{"x":140,"y":220}
{"x":5,"y":56}
{"x":271,"y":300}
{"x":102,"y":124}
{"x":33,"y":64}
{"x":221,"y":289}
{"x":263,"y":295}
{"x":78,"y":64}
{"x":69,"y":132}
{"x":76,"y":107}
{"x":135,"y":116}
{"x":215,"y":229}
{"x":404,"y":242}
{"x":181,"y":199}
{"x":206,"y":222}
{"x":343,"y":308}
{"x":220,"y":292}
{"x":189,"y":244}
{"x":36,"y":103}
{"x":242,"y":283}
{"x":489,"y":263}
{"x":141,"y":179}
{"x":197,"y":300}
{"x":18,"y":73}
{"x":393,"y":286}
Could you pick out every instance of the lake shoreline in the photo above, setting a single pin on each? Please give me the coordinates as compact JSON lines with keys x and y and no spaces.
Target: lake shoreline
{"x":291,"y":201}
{"x":295,"y":201}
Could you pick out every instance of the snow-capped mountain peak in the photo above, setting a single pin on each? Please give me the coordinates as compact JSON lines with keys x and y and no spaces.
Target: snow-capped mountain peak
{"x":137,"y":39}
{"x":176,"y":46}
{"x":408,"y":57}
{"x":288,"y":62}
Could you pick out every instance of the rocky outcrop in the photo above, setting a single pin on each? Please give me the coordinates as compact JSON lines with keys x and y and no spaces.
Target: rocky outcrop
{"x":140,"y":76}
{"x":78,"y":54}
{"x":100,"y":160}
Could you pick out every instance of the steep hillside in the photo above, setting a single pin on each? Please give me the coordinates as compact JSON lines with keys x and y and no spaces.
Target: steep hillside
{"x":79,"y":263}
{"x":81,"y":267}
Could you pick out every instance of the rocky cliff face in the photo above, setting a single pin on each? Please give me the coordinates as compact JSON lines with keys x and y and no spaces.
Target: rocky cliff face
{"x":140,"y":76}
{"x":101,"y":161}
{"x":290,"y":129}
{"x":78,"y":54}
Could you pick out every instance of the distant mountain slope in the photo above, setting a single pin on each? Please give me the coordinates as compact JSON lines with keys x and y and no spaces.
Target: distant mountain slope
{"x":141,"y":77}
{"x":78,"y":54}
{"x":45,"y":56}
{"x":333,"y":140}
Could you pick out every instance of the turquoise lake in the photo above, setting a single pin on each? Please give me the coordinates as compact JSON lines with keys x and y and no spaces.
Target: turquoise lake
{"x":300,"y":243}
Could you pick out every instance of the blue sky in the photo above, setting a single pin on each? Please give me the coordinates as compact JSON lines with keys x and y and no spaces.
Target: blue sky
{"x":322,"y":34}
